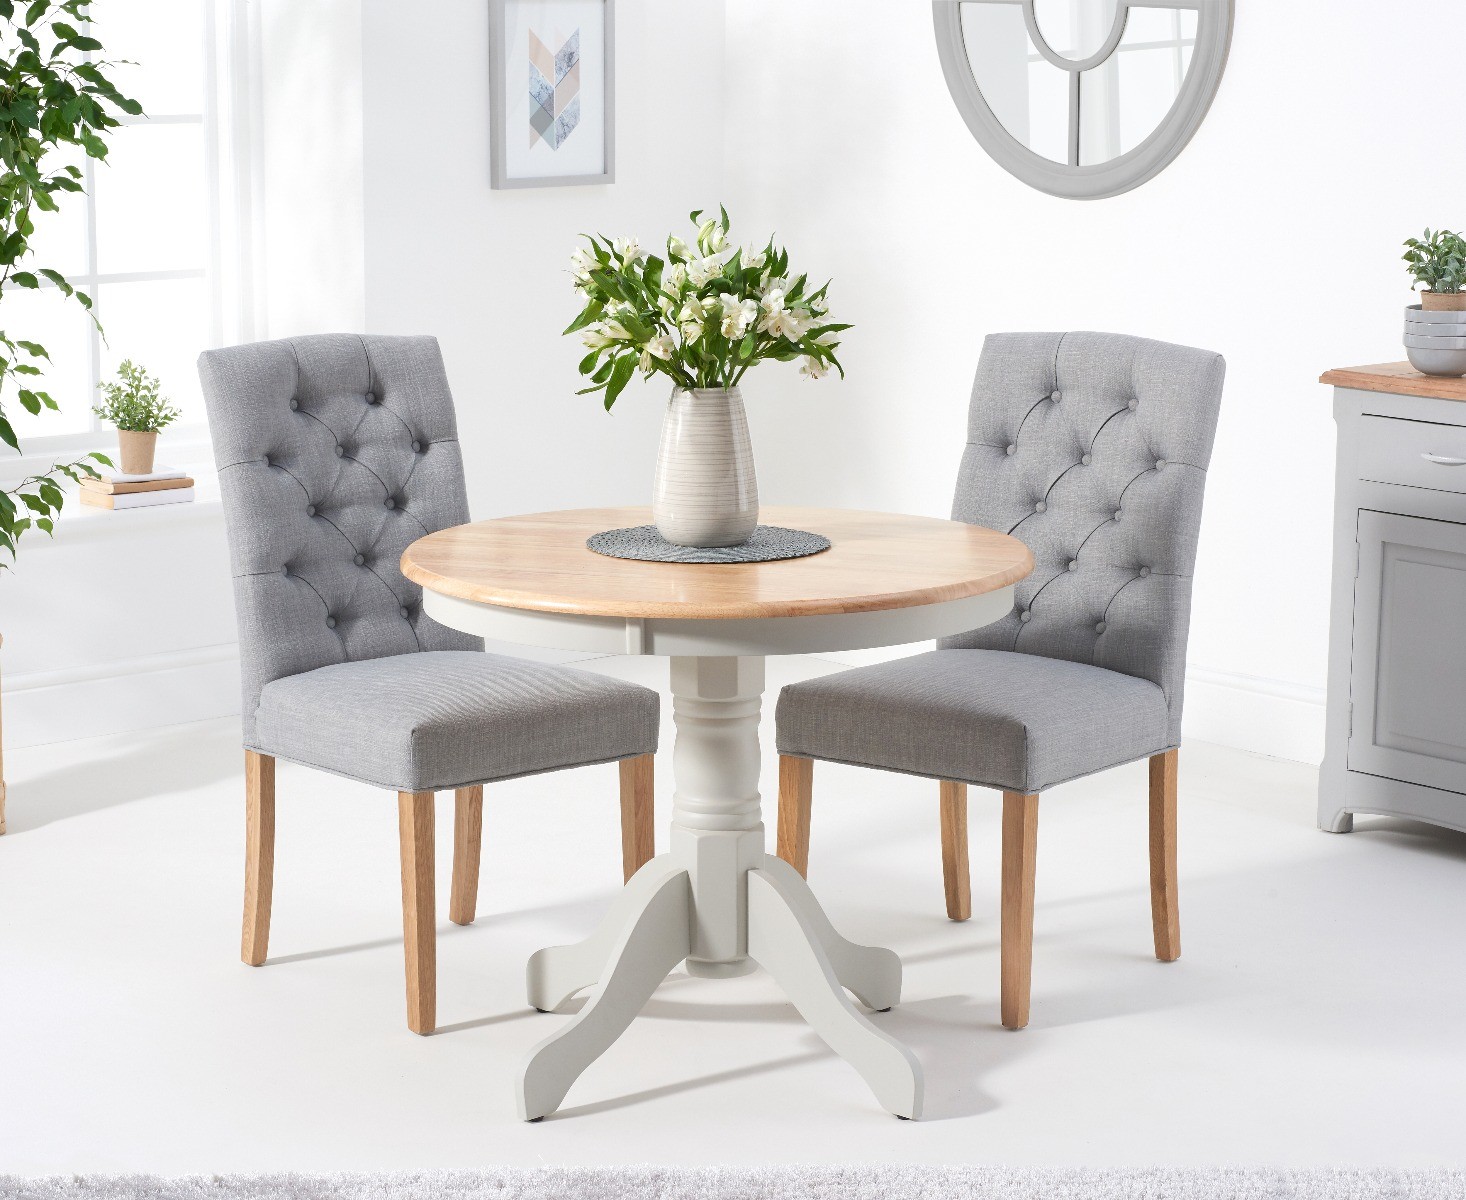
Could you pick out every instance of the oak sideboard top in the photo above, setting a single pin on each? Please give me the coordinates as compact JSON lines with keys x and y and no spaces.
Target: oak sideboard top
{"x":1398,"y":377}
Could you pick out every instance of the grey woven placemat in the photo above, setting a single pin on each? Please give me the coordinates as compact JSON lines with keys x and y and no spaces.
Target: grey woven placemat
{"x":768,"y":543}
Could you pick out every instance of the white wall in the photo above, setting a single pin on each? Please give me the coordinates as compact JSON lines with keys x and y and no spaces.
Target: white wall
{"x":1272,"y":239}
{"x":486,"y":271}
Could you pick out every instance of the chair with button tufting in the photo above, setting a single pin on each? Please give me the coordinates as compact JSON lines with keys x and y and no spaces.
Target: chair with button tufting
{"x":1092,"y":448}
{"x":335,"y":453}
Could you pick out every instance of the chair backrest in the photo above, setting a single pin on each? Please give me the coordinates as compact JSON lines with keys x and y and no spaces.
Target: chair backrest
{"x":335,"y":452}
{"x":1093,"y":448}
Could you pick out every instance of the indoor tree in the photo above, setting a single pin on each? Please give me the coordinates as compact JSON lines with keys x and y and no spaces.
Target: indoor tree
{"x":54,"y":93}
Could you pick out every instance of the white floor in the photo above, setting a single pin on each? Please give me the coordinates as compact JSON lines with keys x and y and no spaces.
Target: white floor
{"x":1315,"y":1018}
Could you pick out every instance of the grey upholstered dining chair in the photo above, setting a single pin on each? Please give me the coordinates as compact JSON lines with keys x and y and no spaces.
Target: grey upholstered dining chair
{"x":335,"y":452}
{"x":1092,"y":448}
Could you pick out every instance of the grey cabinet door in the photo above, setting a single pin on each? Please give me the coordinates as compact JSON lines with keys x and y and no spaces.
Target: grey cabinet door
{"x":1408,"y":674}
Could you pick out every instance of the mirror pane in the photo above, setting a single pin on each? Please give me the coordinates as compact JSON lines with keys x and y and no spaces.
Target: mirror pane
{"x":1125,"y":98}
{"x":1075,"y":28}
{"x":1026,"y":93}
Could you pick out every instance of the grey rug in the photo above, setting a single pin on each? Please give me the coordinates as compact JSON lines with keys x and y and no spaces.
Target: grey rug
{"x":872,"y":1182}
{"x":768,"y":543}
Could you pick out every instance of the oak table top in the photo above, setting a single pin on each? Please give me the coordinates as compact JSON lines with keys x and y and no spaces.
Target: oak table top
{"x":876,"y":562}
{"x":1399,"y":378}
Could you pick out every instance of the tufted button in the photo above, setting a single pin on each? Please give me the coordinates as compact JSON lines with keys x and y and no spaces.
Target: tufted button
{"x":1134,"y":404}
{"x":404,"y":612}
{"x":389,"y":502}
{"x":1073,"y":564}
{"x":359,"y":559}
{"x":340,"y":450}
{"x":1144,"y":571}
{"x":1115,"y":515}
{"x":310,"y":510}
{"x":294,"y":404}
{"x":1025,"y":615}
{"x":1159,"y":463}
{"x":285,"y":571}
{"x":1099,"y":627}
{"x":330,"y":622}
{"x":371,"y":397}
{"x":417,"y":447}
{"x":1087,"y":459}
{"x":265,"y":458}
{"x":1056,"y":396}
{"x":1011,"y":450}
{"x":1040,"y":507}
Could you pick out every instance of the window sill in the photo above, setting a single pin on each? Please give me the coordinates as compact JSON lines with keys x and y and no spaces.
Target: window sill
{"x":81,"y":522}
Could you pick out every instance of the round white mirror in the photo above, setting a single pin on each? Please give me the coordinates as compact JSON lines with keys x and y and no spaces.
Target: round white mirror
{"x":1083,"y":98}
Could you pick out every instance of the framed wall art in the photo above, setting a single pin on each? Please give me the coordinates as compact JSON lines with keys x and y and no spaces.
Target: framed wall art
{"x":552,"y":92}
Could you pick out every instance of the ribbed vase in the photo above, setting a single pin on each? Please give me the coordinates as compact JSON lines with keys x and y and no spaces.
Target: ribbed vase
{"x":706,"y":493}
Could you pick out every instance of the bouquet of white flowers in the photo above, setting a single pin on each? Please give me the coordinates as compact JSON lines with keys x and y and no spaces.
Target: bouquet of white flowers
{"x":701,"y":316}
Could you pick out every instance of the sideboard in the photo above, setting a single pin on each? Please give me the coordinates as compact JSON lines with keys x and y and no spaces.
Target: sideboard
{"x":1396,"y":728}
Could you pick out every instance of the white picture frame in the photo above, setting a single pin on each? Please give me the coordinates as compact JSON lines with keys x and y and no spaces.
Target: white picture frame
{"x":552,"y":90}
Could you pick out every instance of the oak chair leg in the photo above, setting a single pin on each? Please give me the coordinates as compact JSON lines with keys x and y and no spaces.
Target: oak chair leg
{"x":638,"y":813}
{"x":1165,"y":908}
{"x":1020,"y":842}
{"x":468,"y":836}
{"x":259,"y":855}
{"x":955,"y":877}
{"x":415,"y":829}
{"x":796,"y":795}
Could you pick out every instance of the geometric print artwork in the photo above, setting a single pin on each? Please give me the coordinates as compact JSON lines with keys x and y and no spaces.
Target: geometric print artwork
{"x":554,"y":90}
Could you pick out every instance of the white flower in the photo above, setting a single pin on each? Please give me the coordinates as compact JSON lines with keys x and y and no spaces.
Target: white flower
{"x":677,"y":248}
{"x":691,"y":331}
{"x":616,"y":332}
{"x":645,"y":362}
{"x":818,"y":307}
{"x":737,"y":315}
{"x":694,"y":311}
{"x":782,"y":322}
{"x":773,"y":300}
{"x":710,"y":236}
{"x":828,"y":338}
{"x":581,"y":264}
{"x":701,"y":270}
{"x":629,"y":249}
{"x":675,"y":277}
{"x":812,"y":368}
{"x":595,"y":337}
{"x":660,"y":346}
{"x":754,"y":257}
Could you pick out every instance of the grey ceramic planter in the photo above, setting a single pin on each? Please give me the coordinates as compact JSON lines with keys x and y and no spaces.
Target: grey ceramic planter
{"x":1435,"y":341}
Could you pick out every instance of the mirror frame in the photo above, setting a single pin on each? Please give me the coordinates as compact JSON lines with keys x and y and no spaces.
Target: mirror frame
{"x":1096,"y":181}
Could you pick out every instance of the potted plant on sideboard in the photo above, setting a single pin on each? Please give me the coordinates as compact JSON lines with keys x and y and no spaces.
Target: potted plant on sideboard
{"x":55,"y":94}
{"x":702,"y":316}
{"x":1435,"y":329}
{"x":132,"y":403}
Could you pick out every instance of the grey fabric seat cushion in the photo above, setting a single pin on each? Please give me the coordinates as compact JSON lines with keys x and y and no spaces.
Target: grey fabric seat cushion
{"x":440,"y":719}
{"x":1019,"y":722}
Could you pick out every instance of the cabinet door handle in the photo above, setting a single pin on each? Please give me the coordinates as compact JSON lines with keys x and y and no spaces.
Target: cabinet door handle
{"x":1443,"y":460}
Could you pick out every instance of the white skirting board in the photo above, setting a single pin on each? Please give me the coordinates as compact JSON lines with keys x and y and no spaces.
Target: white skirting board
{"x":1265,"y":716}
{"x":1250,"y":712}
{"x":197,"y":684}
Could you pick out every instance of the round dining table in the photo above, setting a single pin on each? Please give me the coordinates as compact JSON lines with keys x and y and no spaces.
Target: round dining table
{"x":716,"y":900}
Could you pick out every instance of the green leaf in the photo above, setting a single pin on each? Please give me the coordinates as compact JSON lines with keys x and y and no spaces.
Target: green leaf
{"x":620,"y":376}
{"x":25,"y":279}
{"x":32,"y":12}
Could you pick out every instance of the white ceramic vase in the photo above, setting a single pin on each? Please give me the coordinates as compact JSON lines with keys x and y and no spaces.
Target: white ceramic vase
{"x":706,"y":493}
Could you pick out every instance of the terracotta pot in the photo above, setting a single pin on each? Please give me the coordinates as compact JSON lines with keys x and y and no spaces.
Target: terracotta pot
{"x":1443,"y":301}
{"x":136,"y":450}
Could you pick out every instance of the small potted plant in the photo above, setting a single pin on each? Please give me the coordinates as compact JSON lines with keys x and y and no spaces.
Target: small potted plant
{"x":133,"y":404}
{"x":703,"y":315}
{"x":1435,"y":329}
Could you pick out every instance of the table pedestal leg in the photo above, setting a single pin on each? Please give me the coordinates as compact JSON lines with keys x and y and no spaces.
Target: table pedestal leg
{"x":716,"y":901}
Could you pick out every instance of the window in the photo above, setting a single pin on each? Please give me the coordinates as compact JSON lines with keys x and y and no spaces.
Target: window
{"x":139,"y":242}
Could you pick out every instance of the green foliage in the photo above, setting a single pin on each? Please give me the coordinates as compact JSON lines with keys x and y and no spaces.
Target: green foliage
{"x":133,"y":403}
{"x":1438,"y":261}
{"x":54,"y":92}
{"x":702,"y":316}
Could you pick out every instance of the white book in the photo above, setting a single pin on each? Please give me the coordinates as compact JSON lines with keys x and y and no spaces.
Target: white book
{"x":124,"y":477}
{"x":137,"y":499}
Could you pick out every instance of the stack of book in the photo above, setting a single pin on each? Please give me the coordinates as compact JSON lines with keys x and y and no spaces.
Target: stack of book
{"x":119,"y":490}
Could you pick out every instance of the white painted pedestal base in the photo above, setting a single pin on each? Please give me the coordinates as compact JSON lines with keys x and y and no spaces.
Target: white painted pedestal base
{"x":717,"y":902}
